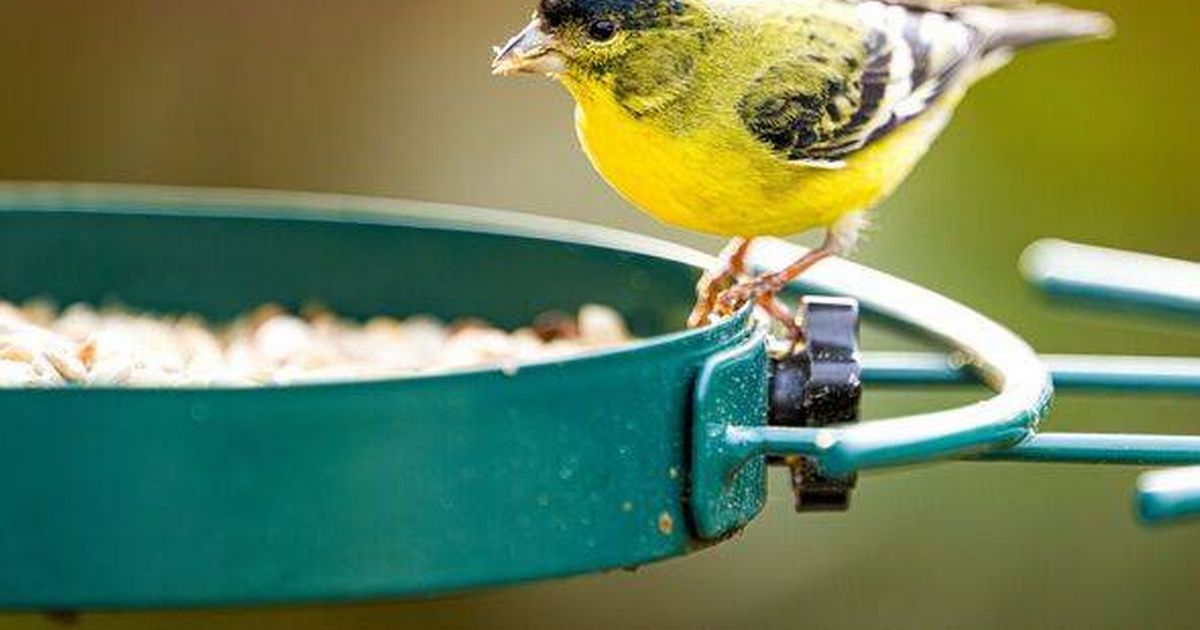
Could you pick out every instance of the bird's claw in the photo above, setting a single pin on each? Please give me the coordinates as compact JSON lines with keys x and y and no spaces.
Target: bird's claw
{"x":716,"y":281}
{"x":760,"y":289}
{"x":735,"y":297}
{"x":708,"y":292}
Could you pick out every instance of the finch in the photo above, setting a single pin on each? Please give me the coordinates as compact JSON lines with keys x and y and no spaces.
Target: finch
{"x":747,"y":118}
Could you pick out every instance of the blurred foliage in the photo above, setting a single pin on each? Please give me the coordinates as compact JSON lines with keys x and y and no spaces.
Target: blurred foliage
{"x":1090,"y":142}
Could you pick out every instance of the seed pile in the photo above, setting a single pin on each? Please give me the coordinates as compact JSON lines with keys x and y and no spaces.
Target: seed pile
{"x":41,"y":346}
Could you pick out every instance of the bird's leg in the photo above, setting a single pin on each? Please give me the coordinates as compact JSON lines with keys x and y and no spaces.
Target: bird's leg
{"x":767,"y":285}
{"x":780,"y":313}
{"x":708,"y":289}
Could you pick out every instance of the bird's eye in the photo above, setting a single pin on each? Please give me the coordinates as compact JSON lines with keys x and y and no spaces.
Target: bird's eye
{"x":602,"y":30}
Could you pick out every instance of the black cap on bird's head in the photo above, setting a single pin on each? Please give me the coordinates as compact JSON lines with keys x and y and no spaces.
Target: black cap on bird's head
{"x":567,"y":30}
{"x":632,"y":14}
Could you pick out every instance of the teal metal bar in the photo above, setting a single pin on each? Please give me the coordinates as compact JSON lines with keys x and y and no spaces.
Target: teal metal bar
{"x":983,"y":352}
{"x":745,"y":443}
{"x":1062,"y":448}
{"x":1003,"y":361}
{"x":1168,"y":495}
{"x":1113,"y":277}
{"x":1120,"y":279}
{"x":1093,"y":372}
{"x":1101,"y":448}
{"x":916,"y":368}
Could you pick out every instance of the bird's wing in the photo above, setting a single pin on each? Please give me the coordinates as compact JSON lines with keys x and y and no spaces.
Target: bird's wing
{"x":951,"y":5}
{"x":840,"y":94}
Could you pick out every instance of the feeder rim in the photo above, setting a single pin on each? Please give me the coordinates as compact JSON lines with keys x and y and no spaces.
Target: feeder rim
{"x":254,"y":203}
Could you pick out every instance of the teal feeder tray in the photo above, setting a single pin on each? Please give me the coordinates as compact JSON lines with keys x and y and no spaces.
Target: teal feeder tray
{"x":416,"y":486}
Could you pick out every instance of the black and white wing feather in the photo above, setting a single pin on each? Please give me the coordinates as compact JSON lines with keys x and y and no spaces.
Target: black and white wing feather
{"x":841,"y":93}
{"x":820,"y":108}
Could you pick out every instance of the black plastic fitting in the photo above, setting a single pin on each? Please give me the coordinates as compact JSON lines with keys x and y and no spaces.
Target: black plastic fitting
{"x":815,"y":385}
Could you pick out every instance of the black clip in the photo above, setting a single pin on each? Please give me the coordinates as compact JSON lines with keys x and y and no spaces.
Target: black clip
{"x":815,"y":386}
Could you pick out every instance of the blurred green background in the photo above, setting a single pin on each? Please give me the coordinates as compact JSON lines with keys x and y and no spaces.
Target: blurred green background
{"x":1093,"y":142}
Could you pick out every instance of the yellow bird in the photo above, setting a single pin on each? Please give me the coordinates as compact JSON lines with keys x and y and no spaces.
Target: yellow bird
{"x":748,"y":118}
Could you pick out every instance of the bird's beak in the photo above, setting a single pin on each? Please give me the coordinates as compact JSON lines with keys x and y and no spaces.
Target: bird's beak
{"x":530,"y":51}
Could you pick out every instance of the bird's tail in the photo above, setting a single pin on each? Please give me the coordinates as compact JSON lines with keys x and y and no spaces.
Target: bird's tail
{"x":1015,"y":28}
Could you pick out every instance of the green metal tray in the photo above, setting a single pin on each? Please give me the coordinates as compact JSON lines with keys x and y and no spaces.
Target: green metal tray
{"x":135,"y":498}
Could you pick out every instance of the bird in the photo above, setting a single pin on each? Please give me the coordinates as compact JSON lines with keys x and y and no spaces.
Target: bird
{"x":751,"y":118}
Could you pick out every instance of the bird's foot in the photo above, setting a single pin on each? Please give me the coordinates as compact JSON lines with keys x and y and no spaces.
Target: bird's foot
{"x":786,"y":318}
{"x":760,"y":289}
{"x":767,"y":285}
{"x":708,"y":290}
{"x":716,"y":281}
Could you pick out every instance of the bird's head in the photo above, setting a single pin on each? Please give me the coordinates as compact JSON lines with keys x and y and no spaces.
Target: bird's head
{"x":593,"y":40}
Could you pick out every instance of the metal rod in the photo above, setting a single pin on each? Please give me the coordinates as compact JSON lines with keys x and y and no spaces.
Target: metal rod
{"x":1101,"y":448}
{"x":1001,"y":428}
{"x":1094,"y":372}
{"x":1003,"y":361}
{"x":1167,"y":495}
{"x":1061,"y":448}
{"x":1162,"y":496}
{"x":1113,"y":277}
{"x":744,"y":443}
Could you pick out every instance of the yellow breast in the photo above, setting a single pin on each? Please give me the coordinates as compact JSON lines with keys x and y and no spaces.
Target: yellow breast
{"x":716,"y":178}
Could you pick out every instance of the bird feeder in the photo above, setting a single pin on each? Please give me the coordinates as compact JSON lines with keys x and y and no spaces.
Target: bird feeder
{"x":163,"y":498}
